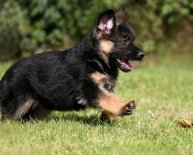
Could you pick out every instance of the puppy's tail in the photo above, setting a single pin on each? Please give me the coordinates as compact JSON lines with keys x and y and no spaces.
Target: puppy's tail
{"x":1,"y":87}
{"x":1,"y":96}
{"x":1,"y":92}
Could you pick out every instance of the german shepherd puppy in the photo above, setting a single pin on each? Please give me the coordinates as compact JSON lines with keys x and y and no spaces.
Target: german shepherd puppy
{"x":76,"y":78}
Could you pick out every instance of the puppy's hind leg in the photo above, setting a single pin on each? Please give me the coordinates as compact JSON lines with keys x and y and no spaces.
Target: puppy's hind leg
{"x":24,"y":108}
{"x":37,"y":112}
{"x":15,"y":109}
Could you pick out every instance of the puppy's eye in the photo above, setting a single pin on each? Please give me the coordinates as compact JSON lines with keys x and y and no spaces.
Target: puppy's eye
{"x":125,"y":40}
{"x":126,"y":37}
{"x":108,"y":86}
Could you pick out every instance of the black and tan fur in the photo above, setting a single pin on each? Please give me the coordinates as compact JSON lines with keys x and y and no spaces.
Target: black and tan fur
{"x":76,"y":78}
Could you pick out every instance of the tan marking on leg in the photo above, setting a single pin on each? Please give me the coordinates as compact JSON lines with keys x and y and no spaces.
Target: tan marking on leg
{"x":107,"y":117}
{"x":21,"y":111}
{"x":111,"y":104}
{"x":107,"y":101}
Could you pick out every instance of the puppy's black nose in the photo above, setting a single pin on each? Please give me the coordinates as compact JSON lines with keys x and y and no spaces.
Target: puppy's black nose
{"x":140,"y":55}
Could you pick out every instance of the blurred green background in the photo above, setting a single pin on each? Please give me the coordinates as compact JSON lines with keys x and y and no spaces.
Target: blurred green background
{"x":161,"y":84}
{"x":32,"y":26}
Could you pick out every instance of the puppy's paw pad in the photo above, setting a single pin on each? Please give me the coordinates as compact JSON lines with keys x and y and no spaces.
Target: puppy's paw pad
{"x":129,"y":107}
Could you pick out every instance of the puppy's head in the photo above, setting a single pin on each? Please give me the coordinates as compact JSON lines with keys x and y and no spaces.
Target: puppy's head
{"x":115,"y":39}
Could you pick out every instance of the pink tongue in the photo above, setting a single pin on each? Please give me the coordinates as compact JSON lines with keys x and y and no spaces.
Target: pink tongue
{"x":126,"y":64}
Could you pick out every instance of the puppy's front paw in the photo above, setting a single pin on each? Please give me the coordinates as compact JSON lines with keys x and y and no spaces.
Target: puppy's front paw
{"x":129,"y":108}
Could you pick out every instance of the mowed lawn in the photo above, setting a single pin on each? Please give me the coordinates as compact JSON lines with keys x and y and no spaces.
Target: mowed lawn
{"x":163,"y":89}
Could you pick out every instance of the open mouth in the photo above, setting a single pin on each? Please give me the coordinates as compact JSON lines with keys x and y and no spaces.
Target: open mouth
{"x":125,"y":65}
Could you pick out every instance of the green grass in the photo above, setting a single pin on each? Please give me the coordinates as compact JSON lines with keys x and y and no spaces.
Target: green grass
{"x":163,"y":89}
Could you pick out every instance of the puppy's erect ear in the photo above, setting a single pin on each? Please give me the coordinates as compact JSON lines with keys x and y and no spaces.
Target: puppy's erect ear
{"x":106,"y":22}
{"x":121,"y":16}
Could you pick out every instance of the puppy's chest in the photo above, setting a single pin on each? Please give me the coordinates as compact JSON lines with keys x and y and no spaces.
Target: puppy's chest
{"x":103,"y":85}
{"x":104,"y":82}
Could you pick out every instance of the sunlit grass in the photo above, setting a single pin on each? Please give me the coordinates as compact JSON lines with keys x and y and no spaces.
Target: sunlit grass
{"x":163,"y":90}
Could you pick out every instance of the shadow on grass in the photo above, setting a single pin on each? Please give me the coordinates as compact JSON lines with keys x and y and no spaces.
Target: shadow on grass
{"x":88,"y":120}
{"x":92,"y":120}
